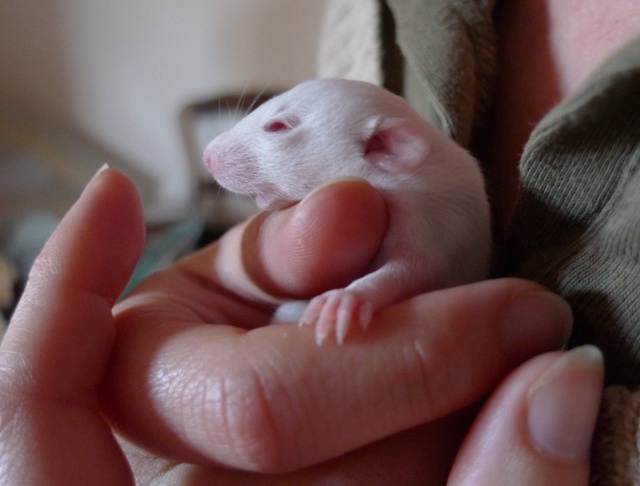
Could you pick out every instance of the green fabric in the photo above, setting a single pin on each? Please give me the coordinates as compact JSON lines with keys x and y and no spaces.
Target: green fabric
{"x":577,"y":224}
{"x":450,"y":45}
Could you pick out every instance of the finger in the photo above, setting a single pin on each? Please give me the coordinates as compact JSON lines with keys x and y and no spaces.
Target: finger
{"x":72,"y":286}
{"x":218,"y":394}
{"x":537,"y":427}
{"x":411,"y":457}
{"x":57,"y":346}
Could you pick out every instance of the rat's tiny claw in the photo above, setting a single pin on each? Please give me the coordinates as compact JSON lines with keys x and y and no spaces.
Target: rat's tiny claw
{"x":366,"y":314}
{"x":313,"y":311}
{"x":321,"y":335}
{"x":326,"y":322}
{"x":327,"y":319}
{"x":341,"y":330}
{"x":346,"y":311}
{"x":336,"y":312}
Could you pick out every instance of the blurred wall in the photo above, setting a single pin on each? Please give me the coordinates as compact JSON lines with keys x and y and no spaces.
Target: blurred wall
{"x":121,"y":70}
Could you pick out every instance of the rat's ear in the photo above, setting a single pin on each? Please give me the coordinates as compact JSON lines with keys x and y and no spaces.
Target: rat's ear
{"x":395,"y":144}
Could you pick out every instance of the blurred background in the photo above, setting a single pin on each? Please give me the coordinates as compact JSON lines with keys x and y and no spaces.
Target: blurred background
{"x":140,"y":85}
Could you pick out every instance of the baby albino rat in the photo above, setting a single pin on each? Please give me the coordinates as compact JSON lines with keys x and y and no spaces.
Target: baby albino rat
{"x":439,"y":230}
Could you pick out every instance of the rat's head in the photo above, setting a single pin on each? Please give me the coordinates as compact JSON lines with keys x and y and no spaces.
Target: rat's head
{"x":315,"y":132}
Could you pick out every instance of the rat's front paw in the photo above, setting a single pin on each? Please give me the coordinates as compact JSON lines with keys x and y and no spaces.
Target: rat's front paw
{"x":336,"y":312}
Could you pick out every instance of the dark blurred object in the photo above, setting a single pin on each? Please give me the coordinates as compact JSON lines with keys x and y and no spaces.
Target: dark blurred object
{"x":44,"y":167}
{"x":8,"y":281}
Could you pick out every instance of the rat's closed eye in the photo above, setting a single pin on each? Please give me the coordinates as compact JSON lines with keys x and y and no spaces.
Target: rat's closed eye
{"x":281,"y":123}
{"x":276,"y":126}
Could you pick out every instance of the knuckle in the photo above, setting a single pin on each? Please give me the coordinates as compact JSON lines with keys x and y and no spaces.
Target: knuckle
{"x":243,"y":425}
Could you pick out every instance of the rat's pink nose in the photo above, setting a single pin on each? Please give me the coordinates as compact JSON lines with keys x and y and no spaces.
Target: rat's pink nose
{"x":210,"y":158}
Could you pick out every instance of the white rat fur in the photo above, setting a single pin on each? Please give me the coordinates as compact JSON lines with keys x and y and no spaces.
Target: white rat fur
{"x":439,"y":229}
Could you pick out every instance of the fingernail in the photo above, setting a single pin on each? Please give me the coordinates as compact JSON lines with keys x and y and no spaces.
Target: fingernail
{"x":96,"y":176}
{"x":535,"y":322}
{"x":563,"y":404}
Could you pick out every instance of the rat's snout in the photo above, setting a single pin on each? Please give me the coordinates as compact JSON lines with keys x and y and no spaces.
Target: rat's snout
{"x":228,"y":167}
{"x":211,"y":158}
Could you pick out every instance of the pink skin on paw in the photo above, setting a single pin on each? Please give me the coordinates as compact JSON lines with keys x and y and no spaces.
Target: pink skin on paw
{"x":337,"y":311}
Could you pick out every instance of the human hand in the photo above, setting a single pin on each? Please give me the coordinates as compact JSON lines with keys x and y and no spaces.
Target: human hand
{"x":536,"y":427}
{"x":238,"y":394}
{"x":55,"y":353}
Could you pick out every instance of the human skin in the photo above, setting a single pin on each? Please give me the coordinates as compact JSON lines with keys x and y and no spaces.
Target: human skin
{"x":155,"y":366}
{"x":52,"y":362}
{"x":546,"y":49}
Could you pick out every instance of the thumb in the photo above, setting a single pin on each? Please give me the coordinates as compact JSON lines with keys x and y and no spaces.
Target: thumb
{"x":537,"y":427}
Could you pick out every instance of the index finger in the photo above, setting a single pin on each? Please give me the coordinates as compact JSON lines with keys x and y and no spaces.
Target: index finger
{"x":57,"y":347}
{"x":63,"y":320}
{"x":271,"y":400}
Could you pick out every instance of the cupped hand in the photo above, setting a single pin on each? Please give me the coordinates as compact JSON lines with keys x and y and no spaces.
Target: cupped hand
{"x":199,"y":389}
